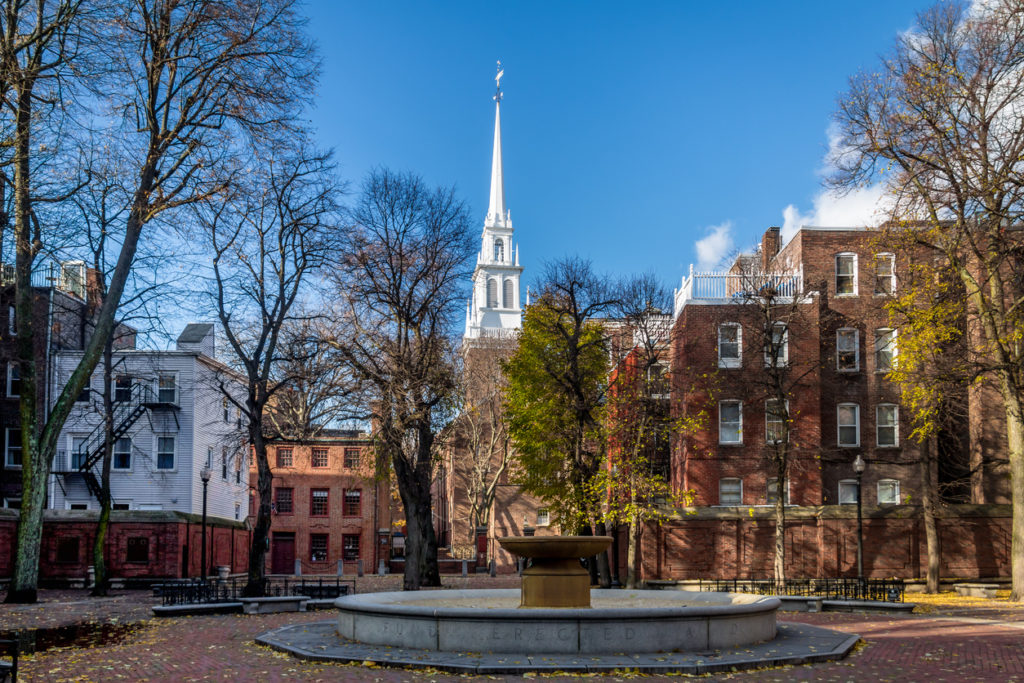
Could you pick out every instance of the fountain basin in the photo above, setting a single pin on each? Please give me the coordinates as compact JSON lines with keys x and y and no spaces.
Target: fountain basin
{"x":555,"y":577}
{"x":631,"y":621}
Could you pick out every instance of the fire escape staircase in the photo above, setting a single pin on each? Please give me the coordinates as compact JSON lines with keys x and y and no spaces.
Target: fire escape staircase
{"x":83,"y":460}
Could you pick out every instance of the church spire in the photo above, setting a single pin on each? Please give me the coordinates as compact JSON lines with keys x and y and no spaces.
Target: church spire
{"x":496,"y":213}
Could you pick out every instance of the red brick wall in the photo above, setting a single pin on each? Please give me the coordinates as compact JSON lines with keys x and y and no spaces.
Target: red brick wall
{"x":822,"y":543}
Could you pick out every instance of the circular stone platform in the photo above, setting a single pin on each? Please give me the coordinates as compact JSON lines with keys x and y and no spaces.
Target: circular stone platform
{"x":636,"y":622}
{"x":794,"y":644}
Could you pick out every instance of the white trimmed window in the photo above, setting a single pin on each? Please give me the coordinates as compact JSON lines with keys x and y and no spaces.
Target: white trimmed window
{"x":122,"y":389}
{"x":773,"y":492}
{"x":730,"y":422}
{"x":492,"y":293}
{"x":885,"y":273}
{"x":888,"y":491}
{"x":165,"y":452}
{"x":846,"y":274}
{"x":499,"y":250}
{"x":848,"y":421}
{"x":847,"y":350}
{"x":887,"y":418}
{"x":885,"y":349}
{"x":730,"y":491}
{"x":848,"y":492}
{"x":730,"y":340}
{"x":776,"y":413}
{"x":12,"y":447}
{"x":543,"y":517}
{"x":13,"y":380}
{"x":776,"y":352}
{"x":167,"y":389}
{"x":122,"y":454}
{"x":78,"y":452}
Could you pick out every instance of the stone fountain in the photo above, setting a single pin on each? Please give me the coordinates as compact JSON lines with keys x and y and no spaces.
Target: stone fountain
{"x":556,"y":612}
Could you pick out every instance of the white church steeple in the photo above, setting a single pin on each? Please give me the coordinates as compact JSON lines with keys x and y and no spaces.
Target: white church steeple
{"x":494,"y":310}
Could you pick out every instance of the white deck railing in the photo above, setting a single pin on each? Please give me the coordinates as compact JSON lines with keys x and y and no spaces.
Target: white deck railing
{"x":733,"y":287}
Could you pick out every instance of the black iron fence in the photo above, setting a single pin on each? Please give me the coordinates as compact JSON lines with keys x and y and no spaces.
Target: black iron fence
{"x":229,"y":590}
{"x":887,"y":590}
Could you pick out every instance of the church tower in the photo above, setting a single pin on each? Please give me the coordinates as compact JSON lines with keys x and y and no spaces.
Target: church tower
{"x":493,"y":310}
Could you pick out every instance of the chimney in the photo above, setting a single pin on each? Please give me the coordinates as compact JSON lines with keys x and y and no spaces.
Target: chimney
{"x":197,"y":337}
{"x":770,"y":244}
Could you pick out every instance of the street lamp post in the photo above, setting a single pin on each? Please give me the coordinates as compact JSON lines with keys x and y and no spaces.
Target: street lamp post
{"x":205,"y":475}
{"x":858,"y":466}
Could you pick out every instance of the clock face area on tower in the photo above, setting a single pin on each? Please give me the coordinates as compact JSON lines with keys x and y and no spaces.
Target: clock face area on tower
{"x":494,"y":310}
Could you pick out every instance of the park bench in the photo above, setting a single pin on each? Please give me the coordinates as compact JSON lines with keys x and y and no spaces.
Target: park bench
{"x":976,"y":590}
{"x":268,"y":605}
{"x":9,"y":667}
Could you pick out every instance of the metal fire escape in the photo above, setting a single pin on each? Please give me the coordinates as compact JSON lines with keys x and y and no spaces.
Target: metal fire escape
{"x":83,"y":460}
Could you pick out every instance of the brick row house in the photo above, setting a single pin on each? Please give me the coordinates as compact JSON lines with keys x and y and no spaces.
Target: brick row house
{"x":329,"y":512}
{"x":837,"y":344}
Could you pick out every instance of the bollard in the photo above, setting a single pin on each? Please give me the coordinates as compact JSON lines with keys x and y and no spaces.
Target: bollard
{"x":341,"y":568}
{"x":381,"y":568}
{"x":90,"y":582}
{"x":298,"y":567}
{"x":494,"y":569}
{"x":465,"y":569}
{"x":359,"y":568}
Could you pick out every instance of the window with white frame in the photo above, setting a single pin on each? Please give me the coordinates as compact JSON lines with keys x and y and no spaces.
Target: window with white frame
{"x":730,"y":422}
{"x":167,"y":389}
{"x":730,"y":491}
{"x":492,"y":293}
{"x":12,"y":447}
{"x":776,"y":352}
{"x":848,"y":492}
{"x":13,"y":380}
{"x":773,"y":492}
{"x":887,"y":418}
{"x":657,"y":381}
{"x":885,"y":273}
{"x":165,"y":452}
{"x":888,"y":491}
{"x":543,"y":517}
{"x":226,"y":407}
{"x":885,"y":349}
{"x":730,"y":338}
{"x":209,"y":457}
{"x":848,"y":421}
{"x":847,"y":350}
{"x":123,"y":453}
{"x":846,"y":274}
{"x":78,"y":452}
{"x":776,"y":414}
{"x":122,"y":388}
{"x":499,"y":250}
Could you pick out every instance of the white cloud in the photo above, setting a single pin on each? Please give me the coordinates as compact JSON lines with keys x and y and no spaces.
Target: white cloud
{"x":856,"y":209}
{"x":715,"y":246}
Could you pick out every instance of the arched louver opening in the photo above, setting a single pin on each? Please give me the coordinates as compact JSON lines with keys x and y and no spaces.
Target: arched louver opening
{"x":507,"y":286}
{"x":492,"y":293}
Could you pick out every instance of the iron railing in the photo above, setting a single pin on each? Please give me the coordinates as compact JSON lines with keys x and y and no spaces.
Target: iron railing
{"x":884,"y":590}
{"x":229,"y":590}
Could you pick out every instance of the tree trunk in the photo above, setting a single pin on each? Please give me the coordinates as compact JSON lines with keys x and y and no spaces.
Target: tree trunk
{"x":414,"y":488}
{"x":261,"y":531}
{"x":98,"y":562}
{"x":780,"y":532}
{"x":631,"y":552}
{"x":929,"y":505}
{"x":1015,"y":441}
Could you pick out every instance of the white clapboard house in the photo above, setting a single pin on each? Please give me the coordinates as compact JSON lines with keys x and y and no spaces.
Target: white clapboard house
{"x":171,"y":419}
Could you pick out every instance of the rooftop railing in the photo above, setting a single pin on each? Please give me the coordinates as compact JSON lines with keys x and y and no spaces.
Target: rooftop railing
{"x":734,"y":287}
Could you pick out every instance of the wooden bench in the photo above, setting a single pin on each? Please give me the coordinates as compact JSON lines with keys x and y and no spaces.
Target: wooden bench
{"x":976,"y":590}
{"x":269,"y":605}
{"x":197,"y":608}
{"x":9,"y":668}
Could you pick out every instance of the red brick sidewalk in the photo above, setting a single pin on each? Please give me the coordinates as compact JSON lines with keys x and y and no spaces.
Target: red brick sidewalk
{"x":932,"y":647}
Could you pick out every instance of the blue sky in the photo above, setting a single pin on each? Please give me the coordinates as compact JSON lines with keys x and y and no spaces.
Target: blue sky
{"x":631,"y":131}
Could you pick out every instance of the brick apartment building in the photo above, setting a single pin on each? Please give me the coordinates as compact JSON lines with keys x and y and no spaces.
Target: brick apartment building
{"x":328,"y":510}
{"x":839,"y":343}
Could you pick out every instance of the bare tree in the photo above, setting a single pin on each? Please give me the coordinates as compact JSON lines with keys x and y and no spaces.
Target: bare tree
{"x":480,"y":451}
{"x":398,"y":289}
{"x":940,"y":123}
{"x":269,"y":236}
{"x":186,"y":81}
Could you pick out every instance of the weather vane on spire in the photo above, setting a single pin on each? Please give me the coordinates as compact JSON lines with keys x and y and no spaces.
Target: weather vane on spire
{"x":497,"y":80}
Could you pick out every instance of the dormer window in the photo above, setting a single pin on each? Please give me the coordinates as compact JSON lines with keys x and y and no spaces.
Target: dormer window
{"x":499,"y":250}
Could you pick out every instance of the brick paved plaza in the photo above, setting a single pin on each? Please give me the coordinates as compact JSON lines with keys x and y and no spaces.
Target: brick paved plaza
{"x":952,"y":639}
